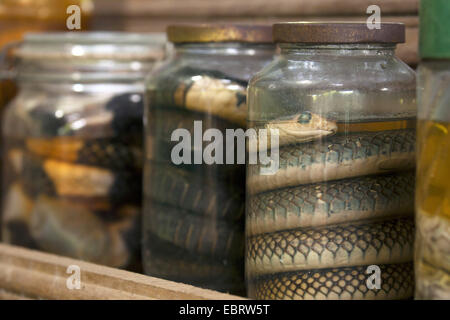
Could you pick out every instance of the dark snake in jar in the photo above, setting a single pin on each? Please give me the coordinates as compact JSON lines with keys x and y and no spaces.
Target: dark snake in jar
{"x":80,"y":192}
{"x":194,"y":222}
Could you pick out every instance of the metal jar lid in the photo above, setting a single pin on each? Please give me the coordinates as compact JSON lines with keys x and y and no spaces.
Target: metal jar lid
{"x":195,"y":33}
{"x":337,"y":33}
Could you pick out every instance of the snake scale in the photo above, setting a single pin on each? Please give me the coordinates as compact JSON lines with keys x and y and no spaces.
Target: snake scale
{"x":79,"y":187}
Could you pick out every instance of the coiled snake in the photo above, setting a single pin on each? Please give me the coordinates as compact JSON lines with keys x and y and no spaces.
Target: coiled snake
{"x":194,"y":221}
{"x":339,"y":202}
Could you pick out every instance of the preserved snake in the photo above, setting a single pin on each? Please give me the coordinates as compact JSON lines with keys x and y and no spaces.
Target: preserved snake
{"x":79,"y":184}
{"x":184,"y":189}
{"x":333,"y":202}
{"x":200,"y":235}
{"x":341,"y":156}
{"x":341,"y":201}
{"x":172,"y":262}
{"x":343,"y":245}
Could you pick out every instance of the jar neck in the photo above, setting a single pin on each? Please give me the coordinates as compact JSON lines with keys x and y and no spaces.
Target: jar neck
{"x":353,"y":49}
{"x":87,"y":57}
{"x":78,"y":87}
{"x":224,"y":49}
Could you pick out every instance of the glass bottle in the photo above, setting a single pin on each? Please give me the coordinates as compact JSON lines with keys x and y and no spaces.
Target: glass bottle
{"x":333,"y":217}
{"x":194,"y":200}
{"x":432,"y":255}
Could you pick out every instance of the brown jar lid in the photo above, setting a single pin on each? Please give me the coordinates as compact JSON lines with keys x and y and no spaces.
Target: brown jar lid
{"x":337,"y":32}
{"x":192,"y":33}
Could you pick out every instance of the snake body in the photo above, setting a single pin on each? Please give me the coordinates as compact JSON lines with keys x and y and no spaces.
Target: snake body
{"x":337,"y":204}
{"x":334,"y":202}
{"x":74,"y":180}
{"x":169,"y":261}
{"x":397,"y":282}
{"x":196,"y":211}
{"x":197,"y":193}
{"x":104,"y":152}
{"x":196,"y":234}
{"x":341,"y":156}
{"x":342,"y":245}
{"x":211,"y":92}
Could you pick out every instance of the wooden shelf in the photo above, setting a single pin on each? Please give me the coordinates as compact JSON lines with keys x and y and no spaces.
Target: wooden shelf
{"x":156,"y":15}
{"x":249,"y":8}
{"x":28,"y":274}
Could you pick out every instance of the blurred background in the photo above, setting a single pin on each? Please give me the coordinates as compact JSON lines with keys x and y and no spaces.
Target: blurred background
{"x":19,"y":16}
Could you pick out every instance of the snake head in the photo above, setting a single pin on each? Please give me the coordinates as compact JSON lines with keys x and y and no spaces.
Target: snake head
{"x":304,"y":127}
{"x":307,"y":121}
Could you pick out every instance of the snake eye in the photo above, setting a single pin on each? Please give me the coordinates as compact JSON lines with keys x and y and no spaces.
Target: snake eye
{"x":305,"y":117}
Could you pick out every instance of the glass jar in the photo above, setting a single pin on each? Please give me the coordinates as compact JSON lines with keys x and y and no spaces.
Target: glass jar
{"x":432,"y":256}
{"x":194,"y":205}
{"x":334,"y":218}
{"x":73,"y":141}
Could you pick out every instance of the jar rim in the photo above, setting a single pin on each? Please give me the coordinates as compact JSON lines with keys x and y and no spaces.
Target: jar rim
{"x":216,"y":33}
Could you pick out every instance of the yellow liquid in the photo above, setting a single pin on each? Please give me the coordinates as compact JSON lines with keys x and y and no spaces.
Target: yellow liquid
{"x":374,"y":126}
{"x":433,"y":168}
{"x":433,"y":211}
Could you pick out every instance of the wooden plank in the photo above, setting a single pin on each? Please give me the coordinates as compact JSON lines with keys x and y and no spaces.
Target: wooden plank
{"x":35,"y":274}
{"x":207,"y":8}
